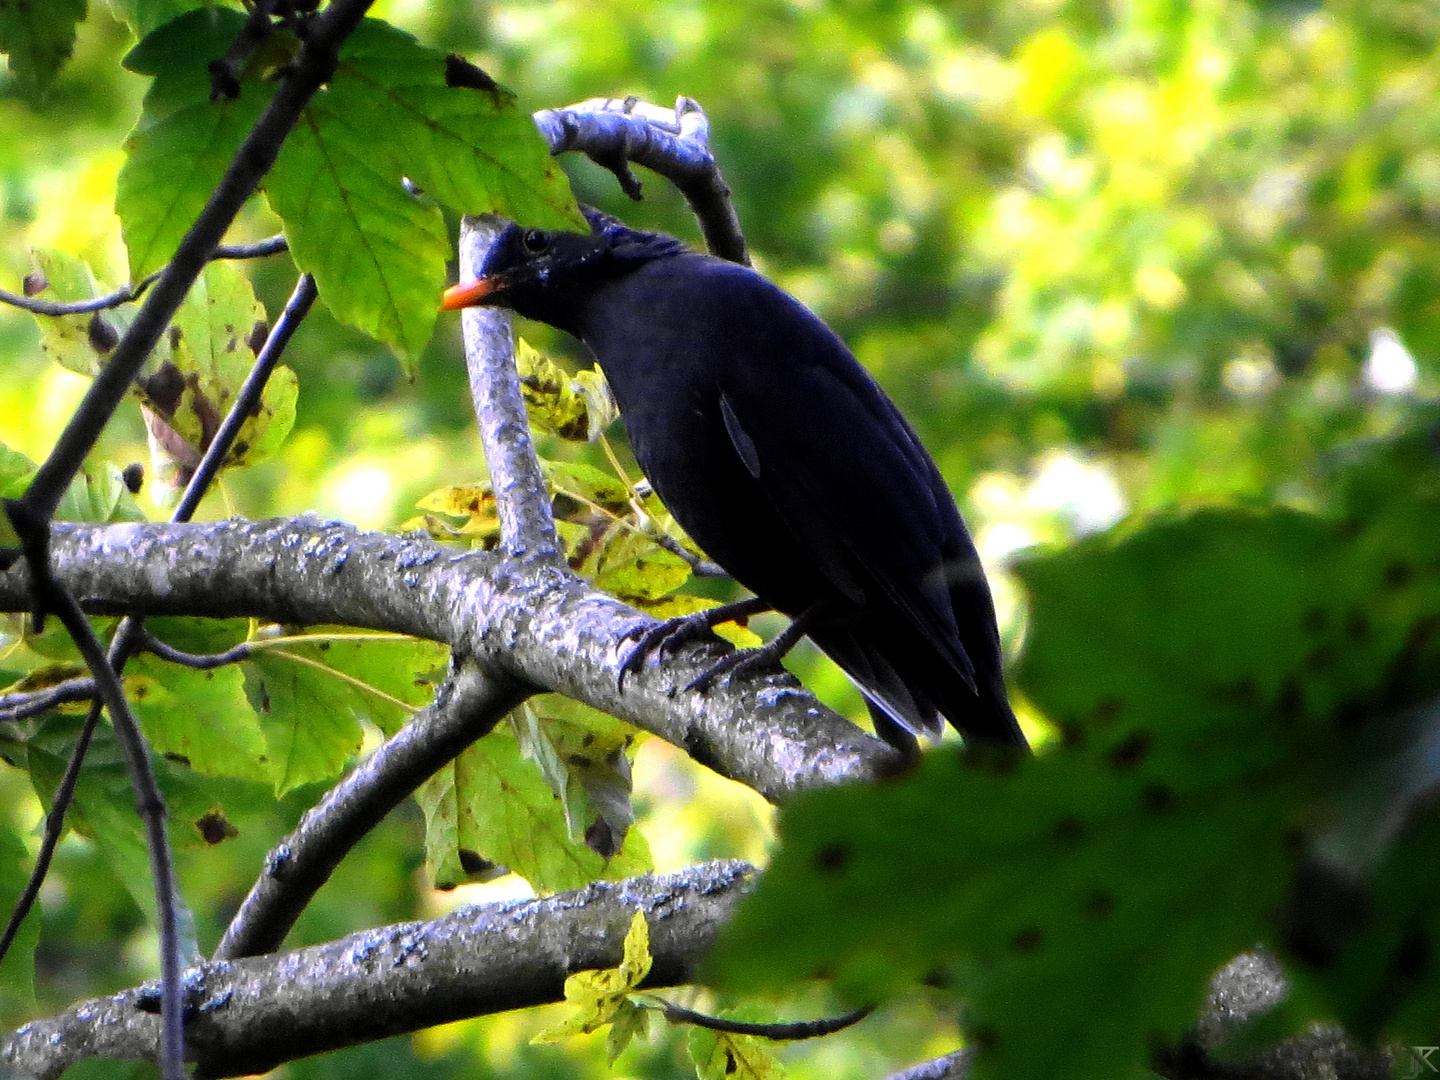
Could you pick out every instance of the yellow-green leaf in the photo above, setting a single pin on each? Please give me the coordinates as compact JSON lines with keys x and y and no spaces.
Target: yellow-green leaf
{"x":595,"y":997}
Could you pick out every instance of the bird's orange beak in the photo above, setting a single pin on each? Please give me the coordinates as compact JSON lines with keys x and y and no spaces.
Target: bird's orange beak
{"x":468,"y":295}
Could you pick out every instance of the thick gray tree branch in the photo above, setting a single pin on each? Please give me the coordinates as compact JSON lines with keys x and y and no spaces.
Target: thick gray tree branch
{"x":248,"y":1016}
{"x":533,"y":623}
{"x":674,"y":143}
{"x":527,"y":525}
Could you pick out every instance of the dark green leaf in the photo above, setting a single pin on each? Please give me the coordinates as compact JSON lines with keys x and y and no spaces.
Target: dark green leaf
{"x":39,"y":37}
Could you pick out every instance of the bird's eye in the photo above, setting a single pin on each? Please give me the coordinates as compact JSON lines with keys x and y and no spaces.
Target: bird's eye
{"x":535,"y":241}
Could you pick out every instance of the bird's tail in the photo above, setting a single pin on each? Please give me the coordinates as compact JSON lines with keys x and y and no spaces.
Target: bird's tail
{"x":918,"y":700}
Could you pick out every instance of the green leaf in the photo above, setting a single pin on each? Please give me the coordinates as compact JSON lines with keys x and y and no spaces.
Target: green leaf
{"x":145,"y":15}
{"x":309,"y":717}
{"x":1214,"y":679}
{"x":70,"y":340}
{"x":98,"y":495}
{"x":17,"y":973}
{"x":104,"y":807}
{"x":39,"y":38}
{"x":585,"y":757}
{"x":183,"y":142}
{"x":505,"y":814}
{"x":401,"y":672}
{"x":172,"y":166}
{"x":199,"y":717}
{"x":15,"y":472}
{"x":378,"y":252}
{"x":472,"y":149}
{"x":632,"y":566}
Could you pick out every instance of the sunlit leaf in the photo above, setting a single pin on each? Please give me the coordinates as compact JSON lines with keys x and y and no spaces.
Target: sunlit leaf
{"x":596,"y":997}
{"x":506,"y":814}
{"x":377,"y":250}
{"x":578,"y":407}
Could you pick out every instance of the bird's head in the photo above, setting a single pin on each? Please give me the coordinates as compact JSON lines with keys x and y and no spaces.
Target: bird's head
{"x":545,"y":275}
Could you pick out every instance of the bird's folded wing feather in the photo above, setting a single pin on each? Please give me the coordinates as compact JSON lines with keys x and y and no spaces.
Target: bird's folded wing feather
{"x":875,"y":505}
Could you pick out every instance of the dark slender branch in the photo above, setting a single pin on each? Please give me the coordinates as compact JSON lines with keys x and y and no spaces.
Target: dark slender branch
{"x":248,"y":399}
{"x":466,"y":707}
{"x":787,"y":1032}
{"x":674,"y":143}
{"x":312,"y":68}
{"x":149,"y":803}
{"x":34,"y":702}
{"x":122,"y":295}
{"x":54,"y":829}
{"x":271,"y":245}
{"x":131,"y":631}
{"x":527,"y":524}
{"x":198,"y":661}
{"x":126,"y":293}
{"x":225,"y":72}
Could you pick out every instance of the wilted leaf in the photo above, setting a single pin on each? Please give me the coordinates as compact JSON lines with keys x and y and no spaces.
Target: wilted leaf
{"x":578,"y":407}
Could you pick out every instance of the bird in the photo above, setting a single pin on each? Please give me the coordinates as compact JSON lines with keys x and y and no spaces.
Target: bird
{"x":784,"y":460}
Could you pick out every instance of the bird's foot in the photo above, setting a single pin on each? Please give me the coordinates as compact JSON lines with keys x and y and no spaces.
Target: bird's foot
{"x":741,"y":660}
{"x":663,"y":638}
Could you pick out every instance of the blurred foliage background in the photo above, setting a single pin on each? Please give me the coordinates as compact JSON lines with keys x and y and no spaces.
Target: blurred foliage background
{"x":1109,"y":257}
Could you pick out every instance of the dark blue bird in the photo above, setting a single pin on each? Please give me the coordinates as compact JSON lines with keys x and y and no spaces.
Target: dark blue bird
{"x":783,"y":459}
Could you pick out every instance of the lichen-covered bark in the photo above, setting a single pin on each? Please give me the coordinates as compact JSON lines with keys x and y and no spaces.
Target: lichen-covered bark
{"x":526,"y":620}
{"x":248,"y":1016}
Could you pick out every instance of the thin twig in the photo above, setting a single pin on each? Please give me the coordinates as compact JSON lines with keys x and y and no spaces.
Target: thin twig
{"x":22,"y":706}
{"x":224,"y":73}
{"x":131,"y":632}
{"x":251,"y":390}
{"x":699,"y":565}
{"x":785,"y":1032}
{"x":34,"y":535}
{"x":675,"y":143}
{"x":54,"y":828}
{"x":272,"y":245}
{"x":198,"y":661}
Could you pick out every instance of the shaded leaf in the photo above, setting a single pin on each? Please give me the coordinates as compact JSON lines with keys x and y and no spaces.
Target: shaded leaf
{"x":1213,"y":679}
{"x":309,"y":717}
{"x":39,"y":38}
{"x":200,"y":717}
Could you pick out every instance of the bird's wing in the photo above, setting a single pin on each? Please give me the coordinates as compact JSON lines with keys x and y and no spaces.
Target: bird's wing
{"x":848,"y":475}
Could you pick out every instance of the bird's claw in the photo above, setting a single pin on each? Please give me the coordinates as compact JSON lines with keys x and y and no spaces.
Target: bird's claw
{"x":729,"y":665}
{"x":660,"y":640}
